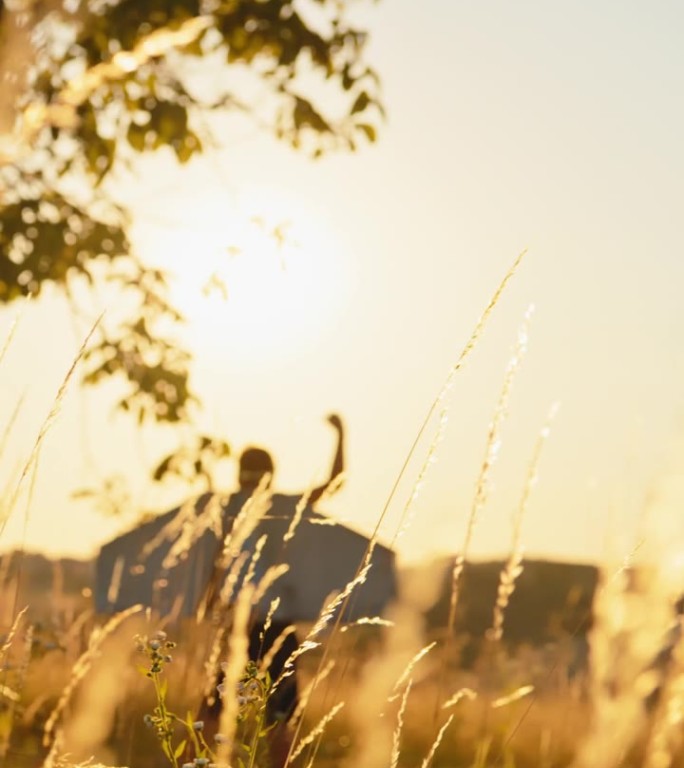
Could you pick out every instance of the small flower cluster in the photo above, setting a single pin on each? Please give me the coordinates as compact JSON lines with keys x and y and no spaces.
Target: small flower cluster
{"x":156,"y":649}
{"x":252,"y":688}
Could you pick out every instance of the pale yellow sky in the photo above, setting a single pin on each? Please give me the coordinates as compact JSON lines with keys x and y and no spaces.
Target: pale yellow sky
{"x":510,"y":126}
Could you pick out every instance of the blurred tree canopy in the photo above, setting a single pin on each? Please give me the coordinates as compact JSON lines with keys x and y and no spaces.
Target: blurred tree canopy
{"x":107,"y":80}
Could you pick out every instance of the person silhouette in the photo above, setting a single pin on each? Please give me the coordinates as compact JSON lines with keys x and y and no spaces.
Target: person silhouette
{"x":254,"y":464}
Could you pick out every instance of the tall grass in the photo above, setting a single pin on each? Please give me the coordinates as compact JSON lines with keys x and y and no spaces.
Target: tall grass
{"x":377,"y":692}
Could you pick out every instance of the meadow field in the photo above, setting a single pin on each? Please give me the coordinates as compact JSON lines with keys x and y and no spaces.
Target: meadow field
{"x":230,"y":224}
{"x":400,"y":693}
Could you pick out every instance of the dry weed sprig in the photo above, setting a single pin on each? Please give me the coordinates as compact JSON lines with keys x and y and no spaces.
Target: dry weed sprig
{"x":435,"y":744}
{"x":396,"y":734}
{"x":490,"y":455}
{"x":408,"y":669}
{"x":513,"y":567}
{"x":314,"y":733}
{"x":82,"y":666}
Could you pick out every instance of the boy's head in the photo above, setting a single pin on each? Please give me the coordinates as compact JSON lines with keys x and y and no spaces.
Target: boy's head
{"x":254,"y":464}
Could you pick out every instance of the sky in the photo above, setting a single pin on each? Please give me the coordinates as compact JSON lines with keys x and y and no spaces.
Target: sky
{"x":554,"y":128}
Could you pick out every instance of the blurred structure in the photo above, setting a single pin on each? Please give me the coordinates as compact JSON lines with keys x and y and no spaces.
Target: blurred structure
{"x":167,"y":564}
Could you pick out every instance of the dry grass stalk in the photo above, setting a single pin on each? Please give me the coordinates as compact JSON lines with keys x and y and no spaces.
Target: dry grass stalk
{"x":267,"y":581}
{"x":666,"y":732}
{"x":314,"y":733}
{"x":268,"y":657}
{"x":631,"y":618}
{"x":12,"y":330}
{"x":298,"y":513}
{"x":13,"y":697}
{"x":115,"y":583}
{"x":65,"y":762}
{"x":237,"y":658}
{"x":396,"y":735}
{"x":491,"y":452}
{"x":10,"y":425}
{"x":254,"y":559}
{"x":92,"y":713}
{"x":435,"y":744}
{"x":462,"y":693}
{"x":231,"y":581}
{"x":211,"y":666}
{"x":82,"y":666}
{"x":520,"y":693}
{"x":324,"y":618}
{"x":172,"y":530}
{"x":54,"y":758}
{"x":372,"y":621}
{"x":331,"y":607}
{"x":47,"y":423}
{"x":408,"y":513}
{"x":437,"y":402}
{"x":247,"y":519}
{"x":192,"y":524}
{"x":272,"y":608}
{"x":448,"y":384}
{"x":513,"y":567}
{"x":306,"y":694}
{"x":408,"y":669}
{"x":12,"y":633}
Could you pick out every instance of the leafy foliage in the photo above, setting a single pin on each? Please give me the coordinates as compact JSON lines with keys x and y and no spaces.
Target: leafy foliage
{"x":193,"y":461}
{"x":109,"y":82}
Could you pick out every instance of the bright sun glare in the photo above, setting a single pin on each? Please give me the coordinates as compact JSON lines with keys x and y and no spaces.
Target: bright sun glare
{"x":264,"y":278}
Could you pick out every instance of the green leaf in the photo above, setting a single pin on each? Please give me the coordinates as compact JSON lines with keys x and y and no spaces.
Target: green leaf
{"x":136,"y":137}
{"x":362,"y":102}
{"x":369,"y":130}
{"x":180,"y":749}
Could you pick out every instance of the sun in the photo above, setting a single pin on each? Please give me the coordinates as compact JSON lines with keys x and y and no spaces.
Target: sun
{"x":263,"y":277}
